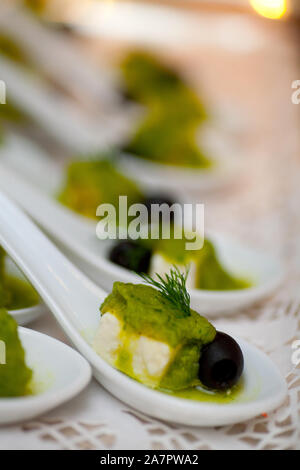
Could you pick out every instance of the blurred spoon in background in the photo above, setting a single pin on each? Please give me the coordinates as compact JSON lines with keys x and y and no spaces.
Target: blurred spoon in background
{"x":35,"y":191}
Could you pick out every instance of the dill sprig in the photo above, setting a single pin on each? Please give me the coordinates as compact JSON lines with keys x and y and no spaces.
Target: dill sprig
{"x":173,"y":288}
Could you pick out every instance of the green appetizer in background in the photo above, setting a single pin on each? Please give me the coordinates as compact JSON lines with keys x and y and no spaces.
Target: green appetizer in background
{"x":168,"y":133}
{"x":4,"y":295}
{"x":205,"y":270}
{"x":15,"y":293}
{"x":11,"y":50}
{"x":15,"y":376}
{"x":94,"y":182}
{"x":10,"y":112}
{"x":158,"y":256}
{"x":98,"y":180}
{"x":37,"y":6}
{"x":152,"y":335}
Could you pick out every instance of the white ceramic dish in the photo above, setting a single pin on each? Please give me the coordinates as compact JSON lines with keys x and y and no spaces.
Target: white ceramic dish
{"x":59,"y":116}
{"x":83,"y":133}
{"x":228,"y":169}
{"x":74,"y":301}
{"x":23,"y":316}
{"x":57,"y":54}
{"x":60,"y":373}
{"x":218,"y":140}
{"x":77,"y":236}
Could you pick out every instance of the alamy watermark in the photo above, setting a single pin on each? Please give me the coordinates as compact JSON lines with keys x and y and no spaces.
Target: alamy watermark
{"x":296,"y":353}
{"x":2,"y":353}
{"x":2,"y":92}
{"x":296,"y":93}
{"x":135,"y":221}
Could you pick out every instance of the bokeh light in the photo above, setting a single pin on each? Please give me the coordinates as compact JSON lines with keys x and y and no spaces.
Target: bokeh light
{"x":273,"y":9}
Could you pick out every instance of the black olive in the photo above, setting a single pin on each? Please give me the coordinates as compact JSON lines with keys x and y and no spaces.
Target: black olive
{"x":221,"y":363}
{"x":131,"y":255}
{"x":158,"y":199}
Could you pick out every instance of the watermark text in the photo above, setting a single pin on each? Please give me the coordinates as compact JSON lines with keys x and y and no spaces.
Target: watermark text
{"x":296,"y":93}
{"x":2,"y":353}
{"x":177,"y":221}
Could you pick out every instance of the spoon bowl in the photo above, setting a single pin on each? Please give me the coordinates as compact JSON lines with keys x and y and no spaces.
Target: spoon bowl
{"x":226,"y":168}
{"x":74,"y":301}
{"x":59,"y":374}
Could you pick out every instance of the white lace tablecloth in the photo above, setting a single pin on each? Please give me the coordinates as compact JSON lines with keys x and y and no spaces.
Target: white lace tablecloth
{"x":261,"y":208}
{"x":96,"y":420}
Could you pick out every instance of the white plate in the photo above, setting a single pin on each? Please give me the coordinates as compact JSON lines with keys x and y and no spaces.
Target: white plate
{"x":23,"y":316}
{"x":60,"y":373}
{"x":74,"y":300}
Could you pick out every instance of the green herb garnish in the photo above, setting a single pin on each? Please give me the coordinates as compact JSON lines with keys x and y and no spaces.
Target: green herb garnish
{"x":173,"y":288}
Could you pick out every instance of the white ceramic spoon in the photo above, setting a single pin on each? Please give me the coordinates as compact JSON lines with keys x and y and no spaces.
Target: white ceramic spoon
{"x":23,"y":316}
{"x":60,"y":117}
{"x":59,"y":374}
{"x":217,"y":141}
{"x":77,"y":235}
{"x":74,"y":301}
{"x":60,"y":58}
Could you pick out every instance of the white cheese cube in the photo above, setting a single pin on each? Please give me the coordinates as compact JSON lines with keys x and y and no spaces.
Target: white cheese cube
{"x":161,"y":265}
{"x":156,"y":355}
{"x":107,"y":339}
{"x":149,"y":357}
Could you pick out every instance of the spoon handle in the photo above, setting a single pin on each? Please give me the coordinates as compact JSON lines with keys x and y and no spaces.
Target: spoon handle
{"x":66,"y":290}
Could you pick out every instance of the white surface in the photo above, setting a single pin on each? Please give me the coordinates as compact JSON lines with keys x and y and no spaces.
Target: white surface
{"x":77,"y":235}
{"x":59,"y":371}
{"x":165,"y":26}
{"x":74,"y":301}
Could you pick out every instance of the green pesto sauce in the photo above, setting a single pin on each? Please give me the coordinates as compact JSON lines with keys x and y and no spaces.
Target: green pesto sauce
{"x":15,"y":293}
{"x":21,"y":294}
{"x":15,"y":376}
{"x":4,"y":296}
{"x":148,"y":312}
{"x":37,"y":6}
{"x":168,"y":134}
{"x":10,"y":49}
{"x":201,"y":394}
{"x":210,"y":273}
{"x":143,"y":310}
{"x":90,"y":183}
{"x":164,"y":138}
{"x":149,"y":81}
{"x":2,"y":136}
{"x":10,"y":112}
